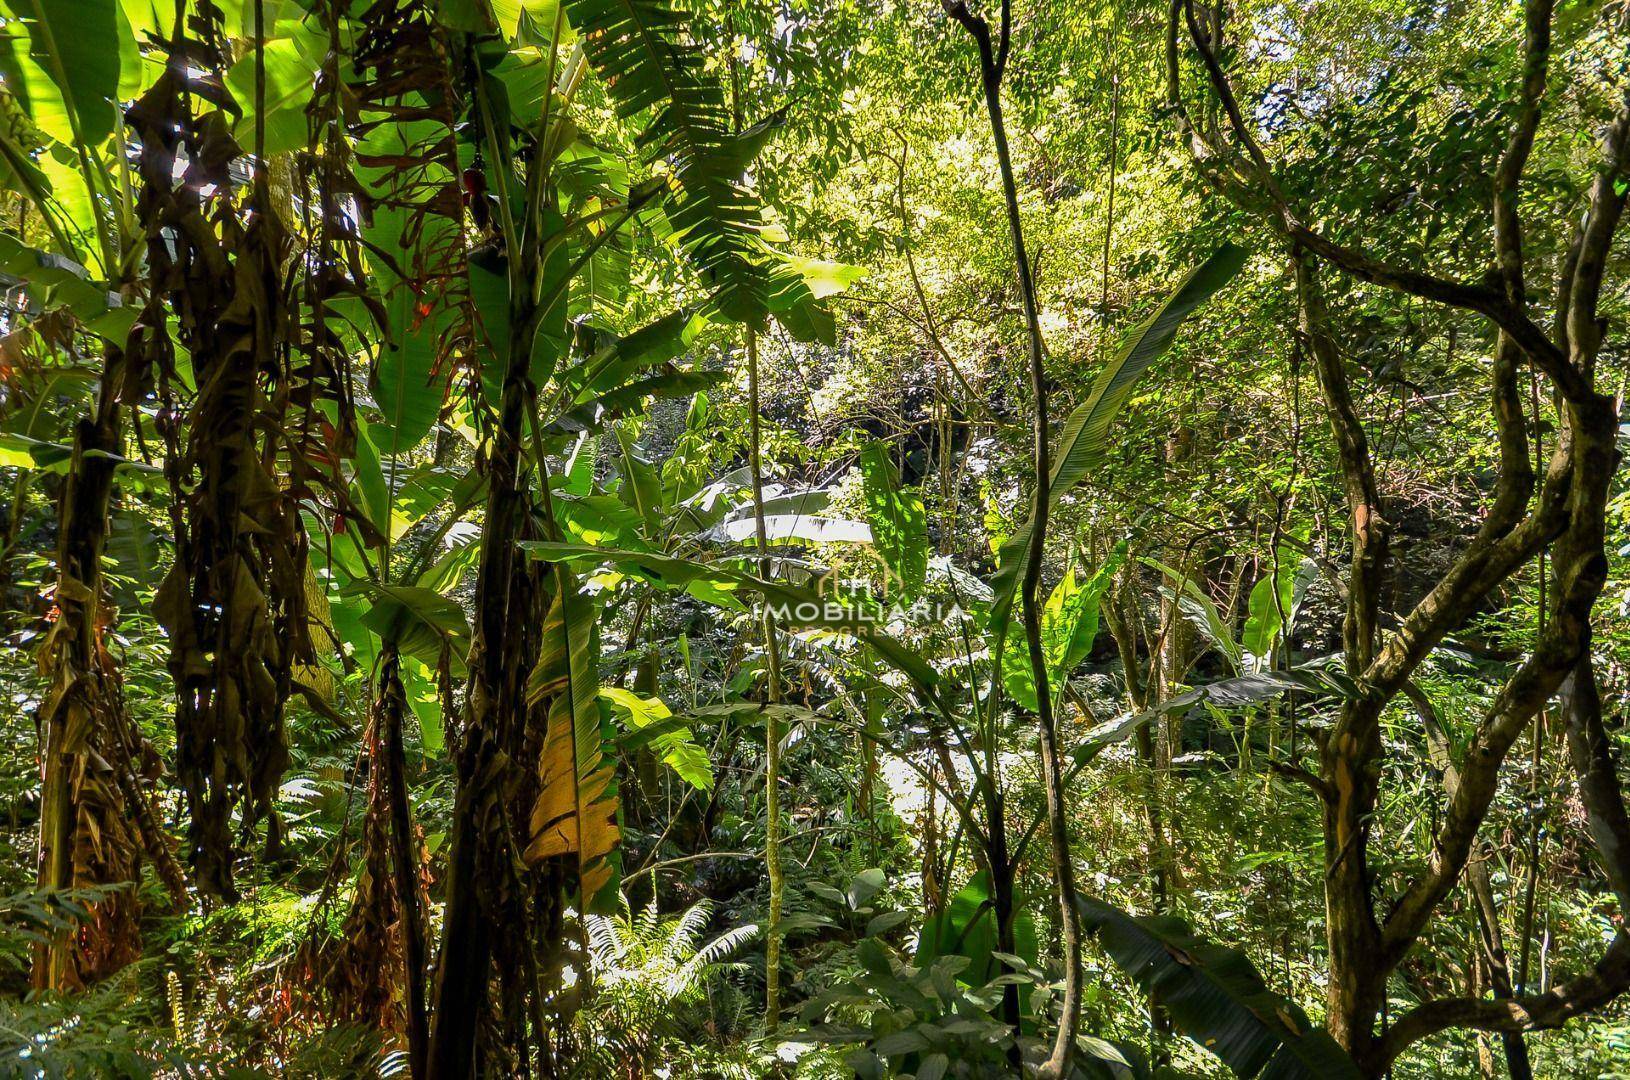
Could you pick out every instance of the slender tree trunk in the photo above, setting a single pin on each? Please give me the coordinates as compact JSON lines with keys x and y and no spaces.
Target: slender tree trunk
{"x":1002,"y":900}
{"x":1492,"y":941}
{"x":392,"y":703}
{"x":772,"y":727}
{"x":992,"y":64}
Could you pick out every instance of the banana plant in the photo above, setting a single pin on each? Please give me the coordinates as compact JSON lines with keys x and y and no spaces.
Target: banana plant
{"x":557,"y":215}
{"x":64,"y":70}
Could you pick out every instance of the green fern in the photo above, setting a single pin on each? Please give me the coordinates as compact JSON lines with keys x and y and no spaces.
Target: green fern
{"x":649,"y":972}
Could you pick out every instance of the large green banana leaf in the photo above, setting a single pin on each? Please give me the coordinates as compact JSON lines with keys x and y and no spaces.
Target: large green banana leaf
{"x":1086,"y":433}
{"x":1216,"y":997}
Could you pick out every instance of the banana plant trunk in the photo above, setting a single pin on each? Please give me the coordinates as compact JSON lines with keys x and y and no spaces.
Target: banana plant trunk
{"x":71,"y":719}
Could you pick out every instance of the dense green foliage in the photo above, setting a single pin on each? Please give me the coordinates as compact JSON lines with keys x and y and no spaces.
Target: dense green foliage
{"x":613,"y":538}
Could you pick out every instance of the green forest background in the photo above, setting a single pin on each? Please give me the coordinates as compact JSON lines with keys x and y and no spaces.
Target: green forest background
{"x":824,"y":538}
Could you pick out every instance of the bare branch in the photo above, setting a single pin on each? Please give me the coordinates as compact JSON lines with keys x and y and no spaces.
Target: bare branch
{"x":1589,"y":257}
{"x":1539,"y":1012}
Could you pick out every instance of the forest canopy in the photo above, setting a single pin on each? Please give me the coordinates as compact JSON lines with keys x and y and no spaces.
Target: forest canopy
{"x":815,"y":539}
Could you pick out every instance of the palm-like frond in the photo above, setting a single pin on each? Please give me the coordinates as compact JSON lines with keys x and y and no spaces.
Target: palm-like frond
{"x":650,"y":64}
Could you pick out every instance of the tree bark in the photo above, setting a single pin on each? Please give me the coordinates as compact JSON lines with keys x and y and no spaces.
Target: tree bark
{"x":772,"y":727}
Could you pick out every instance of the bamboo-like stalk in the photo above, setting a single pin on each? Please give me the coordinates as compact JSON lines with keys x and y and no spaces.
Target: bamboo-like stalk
{"x":772,"y":728}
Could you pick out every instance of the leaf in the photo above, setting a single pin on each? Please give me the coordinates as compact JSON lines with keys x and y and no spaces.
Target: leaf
{"x":404,"y":387}
{"x":599,"y":519}
{"x":674,"y":741}
{"x":55,"y":281}
{"x":1069,"y":621}
{"x":1200,"y":610}
{"x":641,"y":489}
{"x":614,"y":364}
{"x":899,"y":523}
{"x":1069,"y":625}
{"x":797,"y":606}
{"x":421,"y":622}
{"x":368,"y":474}
{"x":67,"y":77}
{"x":134,"y":547}
{"x":1262,"y":619}
{"x":576,"y":810}
{"x":1216,"y":997}
{"x":424,"y":698}
{"x":1086,"y":433}
{"x":23,"y":452}
{"x":291,"y":65}
{"x":1315,"y":676}
{"x":1272,"y":595}
{"x":967,"y":928}
{"x":826,"y":278}
{"x":580,"y":469}
{"x":649,"y":61}
{"x":793,"y":529}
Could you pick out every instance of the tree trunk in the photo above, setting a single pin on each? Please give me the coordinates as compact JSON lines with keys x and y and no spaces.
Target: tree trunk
{"x":991,"y":64}
{"x":392,"y":705}
{"x":772,"y":727}
{"x":73,"y":721}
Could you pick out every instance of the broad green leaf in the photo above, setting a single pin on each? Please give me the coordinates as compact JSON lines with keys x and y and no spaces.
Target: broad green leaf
{"x":62,"y":62}
{"x":899,"y":523}
{"x":20,"y":451}
{"x":291,"y":66}
{"x":603,"y":520}
{"x":967,"y":928}
{"x":423,"y":697}
{"x":372,"y":493}
{"x":580,"y":469}
{"x":1069,"y":625}
{"x":1216,"y":997}
{"x":675,"y":743}
{"x":54,"y":281}
{"x":641,"y":487}
{"x":1086,"y":433}
{"x":1069,"y":621}
{"x":422,"y":623}
{"x":632,"y":398}
{"x":615,"y":363}
{"x":1263,"y":621}
{"x":1273,"y":599}
{"x":404,"y":379}
{"x":508,"y":13}
{"x":826,"y":278}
